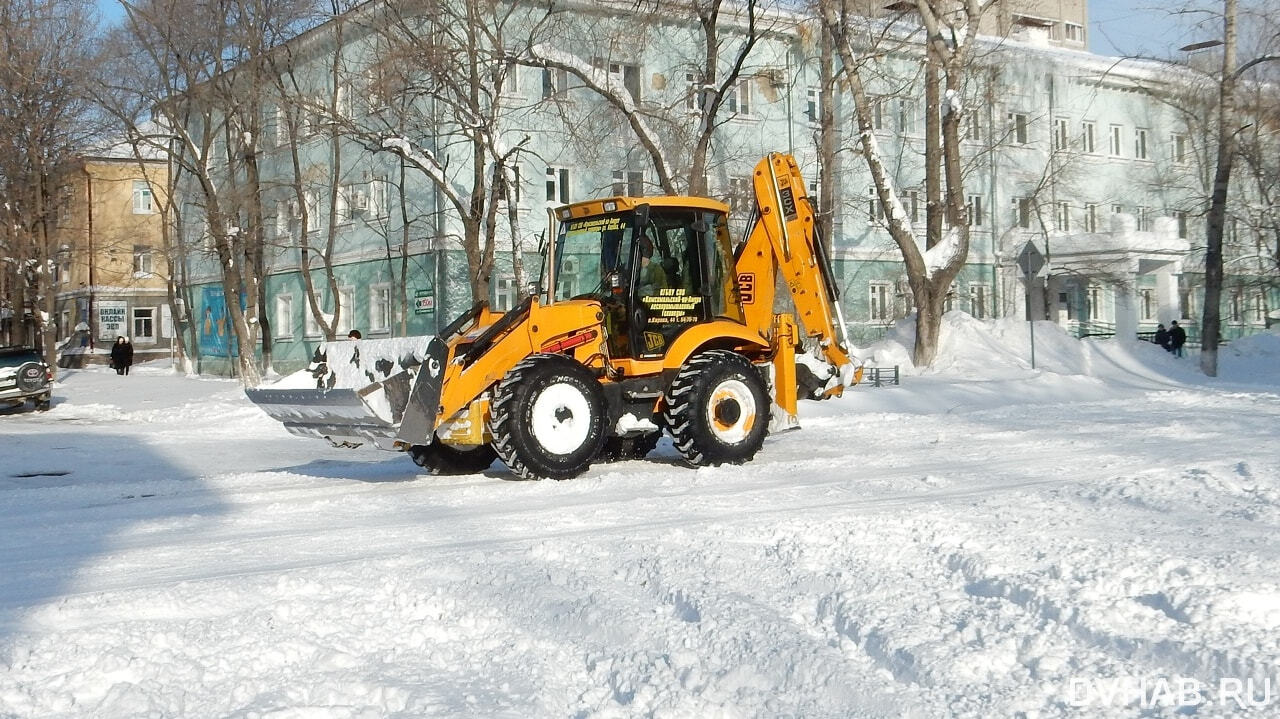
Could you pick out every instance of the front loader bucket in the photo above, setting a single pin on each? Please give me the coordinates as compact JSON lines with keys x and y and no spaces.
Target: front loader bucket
{"x":358,"y":392}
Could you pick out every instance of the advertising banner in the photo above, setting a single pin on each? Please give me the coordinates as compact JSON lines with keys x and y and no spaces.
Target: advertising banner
{"x":113,"y":319}
{"x":215,"y":325}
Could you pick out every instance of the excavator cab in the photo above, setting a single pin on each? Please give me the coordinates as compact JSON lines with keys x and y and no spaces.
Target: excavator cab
{"x":657,"y":268}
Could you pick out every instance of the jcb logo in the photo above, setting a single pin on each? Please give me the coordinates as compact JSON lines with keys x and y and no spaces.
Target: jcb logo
{"x":747,"y":287}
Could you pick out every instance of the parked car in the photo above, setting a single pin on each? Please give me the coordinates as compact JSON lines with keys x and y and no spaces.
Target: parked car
{"x":24,"y":376}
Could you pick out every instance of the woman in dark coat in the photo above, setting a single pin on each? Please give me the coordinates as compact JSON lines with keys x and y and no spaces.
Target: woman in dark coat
{"x":122,"y":355}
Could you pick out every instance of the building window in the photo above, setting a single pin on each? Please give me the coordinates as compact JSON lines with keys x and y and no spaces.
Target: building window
{"x":1178,"y":148}
{"x":626,"y":75}
{"x":1235,"y":311}
{"x":347,"y":310}
{"x":1063,"y":216}
{"x":1140,"y":144}
{"x":1073,"y":32}
{"x":1187,"y":300}
{"x":1090,"y":218}
{"x":143,"y":202}
{"x":504,"y":294}
{"x":282,"y":324}
{"x":1061,"y":133}
{"x":66,"y":198}
{"x":1022,"y":210}
{"x":879,"y":301}
{"x":1259,"y":309}
{"x":875,"y":208}
{"x":813,"y":104}
{"x":913,"y":205}
{"x":630,"y":183}
{"x":1117,"y":147}
{"x":143,"y":264}
{"x":978,"y":295}
{"x":144,"y":324}
{"x":972,"y":127}
{"x":1089,"y":137}
{"x":1018,"y":127}
{"x":507,"y":184}
{"x":557,"y":185}
{"x":1144,"y":219}
{"x":1181,"y":217}
{"x":378,"y":204}
{"x":283,"y":218}
{"x":1117,"y":209}
{"x":310,"y":327}
{"x":510,"y":79}
{"x":738,"y":99}
{"x":975,"y":211}
{"x":312,"y":200}
{"x":555,"y":82}
{"x":1093,"y":303}
{"x":877,"y":112}
{"x":907,"y":117}
{"x":380,"y":308}
{"x":1147,"y":304}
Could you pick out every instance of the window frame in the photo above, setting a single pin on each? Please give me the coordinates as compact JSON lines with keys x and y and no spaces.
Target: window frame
{"x":380,"y":304}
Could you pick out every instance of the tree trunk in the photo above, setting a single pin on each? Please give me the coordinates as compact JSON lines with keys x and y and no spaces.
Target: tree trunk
{"x":1211,"y":321}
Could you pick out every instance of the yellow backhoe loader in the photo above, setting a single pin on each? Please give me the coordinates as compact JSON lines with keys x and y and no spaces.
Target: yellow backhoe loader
{"x":647,"y":320}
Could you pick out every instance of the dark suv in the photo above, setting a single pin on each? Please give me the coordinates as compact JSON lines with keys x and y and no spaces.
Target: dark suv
{"x":24,"y":376}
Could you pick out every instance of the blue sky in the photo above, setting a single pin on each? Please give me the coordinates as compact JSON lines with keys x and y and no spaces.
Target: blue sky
{"x":1133,"y":27}
{"x":1116,"y":27}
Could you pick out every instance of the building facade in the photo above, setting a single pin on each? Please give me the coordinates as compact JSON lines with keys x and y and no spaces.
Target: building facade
{"x":1093,"y":163}
{"x":111,"y":269}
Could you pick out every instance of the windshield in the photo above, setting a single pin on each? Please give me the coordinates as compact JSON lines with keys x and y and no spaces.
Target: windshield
{"x":587,"y":250}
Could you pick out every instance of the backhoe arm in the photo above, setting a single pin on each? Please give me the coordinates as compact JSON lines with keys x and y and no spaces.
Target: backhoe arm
{"x":783,"y":244}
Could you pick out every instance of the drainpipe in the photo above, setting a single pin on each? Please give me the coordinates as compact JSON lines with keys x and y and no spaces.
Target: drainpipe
{"x":992,"y":203}
{"x":88,"y":183}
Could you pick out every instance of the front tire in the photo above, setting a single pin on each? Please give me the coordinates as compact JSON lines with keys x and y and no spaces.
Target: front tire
{"x":547,"y":417}
{"x":440,"y":459}
{"x":718,"y":409}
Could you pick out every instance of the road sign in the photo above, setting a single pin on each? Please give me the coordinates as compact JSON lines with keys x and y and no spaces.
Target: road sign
{"x":424,"y":301}
{"x":1030,"y":260}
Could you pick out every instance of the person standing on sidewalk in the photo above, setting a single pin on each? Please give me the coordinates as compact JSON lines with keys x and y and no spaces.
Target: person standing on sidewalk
{"x":1177,"y":338}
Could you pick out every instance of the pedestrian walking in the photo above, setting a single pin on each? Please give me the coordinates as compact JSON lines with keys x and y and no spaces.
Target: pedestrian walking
{"x":122,"y":355}
{"x":1177,"y":338}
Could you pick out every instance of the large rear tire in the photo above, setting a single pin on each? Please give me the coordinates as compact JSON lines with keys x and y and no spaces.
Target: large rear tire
{"x":440,"y":459}
{"x":718,"y":409}
{"x":547,"y":417}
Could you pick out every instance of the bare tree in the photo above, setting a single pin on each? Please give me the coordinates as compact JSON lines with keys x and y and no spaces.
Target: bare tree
{"x":712,"y":71}
{"x":46,"y":56}
{"x":945,"y":41}
{"x":201,"y":70}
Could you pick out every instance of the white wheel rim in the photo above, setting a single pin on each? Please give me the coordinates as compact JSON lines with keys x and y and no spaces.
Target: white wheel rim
{"x":732,"y":432}
{"x":561,"y":418}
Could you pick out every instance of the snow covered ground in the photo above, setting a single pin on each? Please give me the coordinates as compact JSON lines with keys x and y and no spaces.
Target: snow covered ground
{"x":1095,"y":537}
